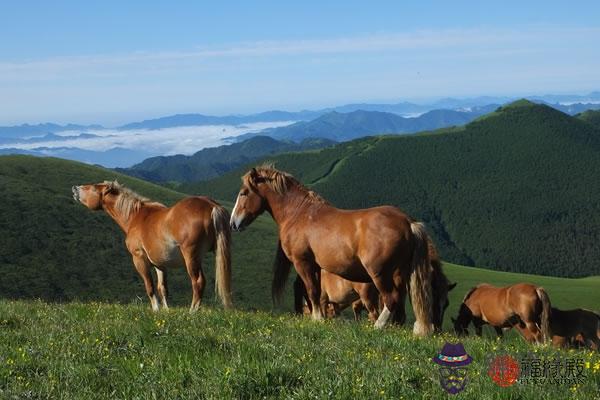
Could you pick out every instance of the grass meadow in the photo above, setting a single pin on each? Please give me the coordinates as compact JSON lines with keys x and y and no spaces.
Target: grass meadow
{"x":100,"y":351}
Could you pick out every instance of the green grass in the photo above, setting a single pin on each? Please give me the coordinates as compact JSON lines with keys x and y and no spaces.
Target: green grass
{"x":101,"y":351}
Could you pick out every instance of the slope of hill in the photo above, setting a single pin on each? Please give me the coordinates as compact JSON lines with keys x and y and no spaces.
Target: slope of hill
{"x":590,"y":116}
{"x":212,"y":162}
{"x":55,"y":249}
{"x":347,"y":126}
{"x":515,"y":190}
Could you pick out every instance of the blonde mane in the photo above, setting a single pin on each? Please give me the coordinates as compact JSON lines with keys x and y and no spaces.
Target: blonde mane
{"x":280,"y":182}
{"x":127,"y":201}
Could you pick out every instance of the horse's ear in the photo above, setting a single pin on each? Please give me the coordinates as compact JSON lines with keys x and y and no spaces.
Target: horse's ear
{"x":451,"y":286}
{"x":253,"y":173}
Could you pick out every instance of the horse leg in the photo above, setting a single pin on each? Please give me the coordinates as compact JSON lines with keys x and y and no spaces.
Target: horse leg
{"x":193,"y":265}
{"x":162,"y":286}
{"x":499,"y":331}
{"x":369,"y":299}
{"x":308,"y":272}
{"x":142,"y":265}
{"x":402,"y":286}
{"x":357,"y":307}
{"x":478,"y":327}
{"x":391,"y":298}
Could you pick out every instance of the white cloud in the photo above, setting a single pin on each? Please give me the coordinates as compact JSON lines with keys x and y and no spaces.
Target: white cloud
{"x":108,"y":65}
{"x":169,"y":141}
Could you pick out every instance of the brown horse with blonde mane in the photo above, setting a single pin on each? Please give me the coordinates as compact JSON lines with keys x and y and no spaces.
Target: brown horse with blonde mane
{"x":358,"y":245}
{"x":164,"y":237}
{"x":574,"y":326}
{"x":337,"y":294}
{"x":524,"y":306}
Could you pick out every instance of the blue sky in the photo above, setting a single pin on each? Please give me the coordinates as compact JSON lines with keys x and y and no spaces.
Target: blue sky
{"x":114,"y":62}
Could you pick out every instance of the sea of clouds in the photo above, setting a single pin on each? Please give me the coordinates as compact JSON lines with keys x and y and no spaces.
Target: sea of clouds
{"x":185,"y":140}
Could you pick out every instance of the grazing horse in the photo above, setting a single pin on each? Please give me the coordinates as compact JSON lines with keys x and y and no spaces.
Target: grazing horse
{"x":522,"y":305}
{"x":574,"y":326}
{"x":340,"y":293}
{"x":358,"y":245}
{"x":440,"y":287}
{"x":164,"y":237}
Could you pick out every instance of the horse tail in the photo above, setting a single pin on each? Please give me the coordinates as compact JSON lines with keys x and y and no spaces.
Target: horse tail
{"x":220,"y":219}
{"x":299,"y":295}
{"x":281,"y":271}
{"x":420,"y":281}
{"x":545,"y":318}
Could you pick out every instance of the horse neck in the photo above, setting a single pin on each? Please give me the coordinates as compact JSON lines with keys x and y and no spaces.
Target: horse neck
{"x":287,"y":206}
{"x":122,"y":220}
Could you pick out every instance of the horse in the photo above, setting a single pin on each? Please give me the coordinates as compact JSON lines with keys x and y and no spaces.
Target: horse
{"x":522,"y":305}
{"x":359,"y":245}
{"x":575,"y":326}
{"x":364,"y":294}
{"x":337,"y":294}
{"x":440,"y":287}
{"x":165,"y":237}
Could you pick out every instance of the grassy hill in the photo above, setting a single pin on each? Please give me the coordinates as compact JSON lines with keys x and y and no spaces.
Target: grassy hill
{"x":591,"y":116}
{"x":515,"y":190}
{"x":126,"y":352}
{"x":55,"y":249}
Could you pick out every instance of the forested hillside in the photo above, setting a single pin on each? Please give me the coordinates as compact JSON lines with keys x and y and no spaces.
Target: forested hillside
{"x":215,"y":161}
{"x":515,"y":190}
{"x":54,"y":248}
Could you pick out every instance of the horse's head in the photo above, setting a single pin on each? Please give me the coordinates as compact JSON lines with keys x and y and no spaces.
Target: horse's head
{"x":93,"y":196}
{"x":440,"y":290}
{"x":461,"y":322}
{"x":250,"y":202}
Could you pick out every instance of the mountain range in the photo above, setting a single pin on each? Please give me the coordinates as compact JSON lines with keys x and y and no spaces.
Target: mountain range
{"x":513,"y":190}
{"x":215,"y":161}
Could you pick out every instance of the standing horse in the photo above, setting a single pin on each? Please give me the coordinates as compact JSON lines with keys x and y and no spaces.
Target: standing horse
{"x":522,"y":305}
{"x":573,"y":326}
{"x":340,"y":293}
{"x":163,"y":237}
{"x":358,"y":245}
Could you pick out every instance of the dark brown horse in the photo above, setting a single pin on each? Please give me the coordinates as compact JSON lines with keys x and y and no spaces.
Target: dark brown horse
{"x":573,"y":326}
{"x":523,"y":305}
{"x":164,"y":237}
{"x":358,"y":245}
{"x":338,"y":293}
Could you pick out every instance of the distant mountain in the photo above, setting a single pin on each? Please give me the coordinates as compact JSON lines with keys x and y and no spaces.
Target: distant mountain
{"x":212,"y":162}
{"x":49,"y":137}
{"x":26,"y":130}
{"x":347,"y":126}
{"x":514,"y":190}
{"x":200,"y":119}
{"x":574,"y":108}
{"x":109,"y":158}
